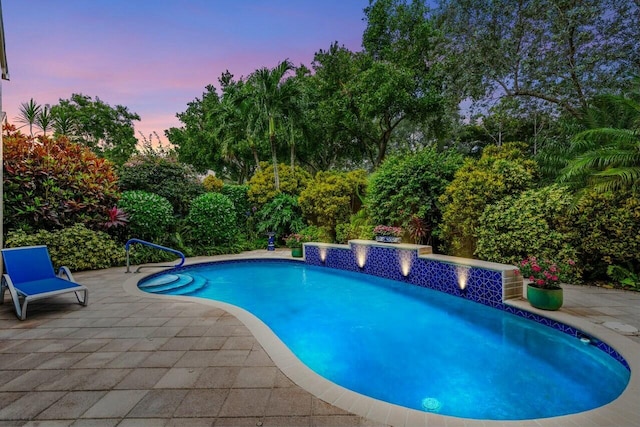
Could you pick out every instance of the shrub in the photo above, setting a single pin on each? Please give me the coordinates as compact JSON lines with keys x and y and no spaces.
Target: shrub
{"x":526,"y":225}
{"x":282,"y":215}
{"x":311,"y":233}
{"x":358,"y":227}
{"x":406,"y":188}
{"x":53,"y":183}
{"x":262,"y":187}
{"x":77,"y":247}
{"x":606,"y":231}
{"x":332,"y":197}
{"x":164,"y":176}
{"x":500,"y":171}
{"x":150,"y":215}
{"x":242,"y":207}
{"x":212,"y":184}
{"x":212,"y":218}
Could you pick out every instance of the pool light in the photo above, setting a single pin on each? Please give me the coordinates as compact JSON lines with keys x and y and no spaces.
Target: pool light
{"x":361,"y":254}
{"x":405,"y":262}
{"x":323,"y":254}
{"x":463,"y":275}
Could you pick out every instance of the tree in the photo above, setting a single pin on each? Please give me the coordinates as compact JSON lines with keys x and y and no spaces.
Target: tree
{"x":358,"y":100}
{"x":327,"y":120}
{"x":222,"y":132}
{"x":555,"y":54}
{"x":273,"y":97}
{"x":29,"y":112}
{"x":107,"y":131}
{"x":44,"y":119}
{"x":405,"y":80}
{"x":195,"y":140}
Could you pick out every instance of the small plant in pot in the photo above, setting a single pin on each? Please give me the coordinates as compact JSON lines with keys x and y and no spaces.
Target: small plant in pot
{"x":294,"y":242}
{"x":388,"y":234}
{"x":544,"y":290}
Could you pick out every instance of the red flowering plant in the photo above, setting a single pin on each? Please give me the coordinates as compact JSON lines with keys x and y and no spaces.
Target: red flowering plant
{"x":545,"y":274}
{"x":385,"y":230}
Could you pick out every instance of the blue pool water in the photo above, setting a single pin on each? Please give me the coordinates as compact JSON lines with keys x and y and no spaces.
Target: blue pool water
{"x":409,"y":345}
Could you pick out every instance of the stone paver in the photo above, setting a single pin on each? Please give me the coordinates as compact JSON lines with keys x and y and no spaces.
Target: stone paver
{"x":128,"y":360}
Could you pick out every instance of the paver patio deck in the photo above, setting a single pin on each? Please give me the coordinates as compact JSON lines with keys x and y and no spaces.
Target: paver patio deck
{"x":129,"y":359}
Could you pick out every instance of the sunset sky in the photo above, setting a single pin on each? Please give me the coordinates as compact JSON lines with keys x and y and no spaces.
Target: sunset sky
{"x":155,"y":56}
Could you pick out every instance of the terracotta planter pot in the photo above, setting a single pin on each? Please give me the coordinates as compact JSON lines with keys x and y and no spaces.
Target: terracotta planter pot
{"x":544,"y":299}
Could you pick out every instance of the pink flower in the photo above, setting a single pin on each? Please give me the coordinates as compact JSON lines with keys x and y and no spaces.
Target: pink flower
{"x":545,"y":273}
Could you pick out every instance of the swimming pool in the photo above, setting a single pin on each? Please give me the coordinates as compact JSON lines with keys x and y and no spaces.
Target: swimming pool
{"x":408,"y":345}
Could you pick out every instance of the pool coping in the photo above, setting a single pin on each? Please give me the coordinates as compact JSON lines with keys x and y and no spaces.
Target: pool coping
{"x":622,"y":411}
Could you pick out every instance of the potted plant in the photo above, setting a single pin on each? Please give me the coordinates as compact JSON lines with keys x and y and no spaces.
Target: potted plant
{"x":294,"y":241}
{"x":543,"y":290}
{"x":388,"y":234}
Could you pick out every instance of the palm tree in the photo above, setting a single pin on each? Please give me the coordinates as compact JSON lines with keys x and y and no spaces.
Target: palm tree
{"x":29,"y":112}
{"x":273,"y":97}
{"x":607,"y":155}
{"x":63,"y":122}
{"x":44,"y":119}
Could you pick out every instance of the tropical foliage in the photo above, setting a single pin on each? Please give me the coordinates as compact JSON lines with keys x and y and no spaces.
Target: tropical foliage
{"x":606,"y":156}
{"x":606,"y":231}
{"x":282,"y":216}
{"x":332,"y":197}
{"x":500,"y":172}
{"x":52,"y":183}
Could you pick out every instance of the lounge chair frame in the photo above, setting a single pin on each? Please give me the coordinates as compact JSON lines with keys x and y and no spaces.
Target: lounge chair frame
{"x":21,"y":298}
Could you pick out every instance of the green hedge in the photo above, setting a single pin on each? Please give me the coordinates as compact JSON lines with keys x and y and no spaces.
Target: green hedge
{"x":525,"y":225}
{"x":150,"y":215}
{"x":77,"y":247}
{"x":212,"y":219}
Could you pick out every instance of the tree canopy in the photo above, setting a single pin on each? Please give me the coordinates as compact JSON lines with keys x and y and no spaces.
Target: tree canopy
{"x":107,"y":131}
{"x":554,"y":54}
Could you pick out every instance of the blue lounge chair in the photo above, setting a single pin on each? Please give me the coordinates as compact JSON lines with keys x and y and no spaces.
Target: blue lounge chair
{"x":30,"y":276}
